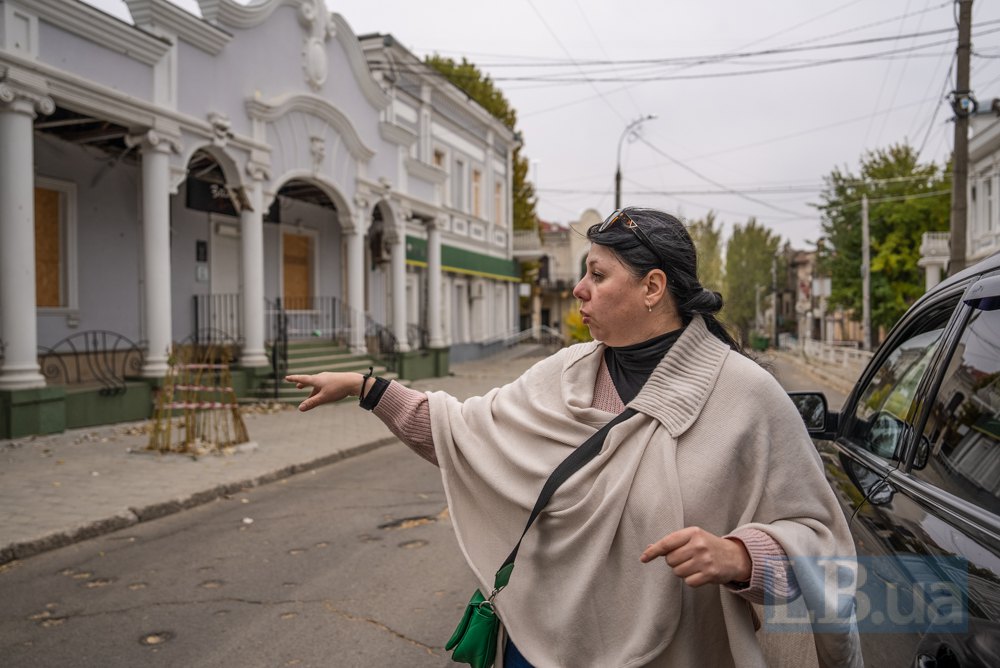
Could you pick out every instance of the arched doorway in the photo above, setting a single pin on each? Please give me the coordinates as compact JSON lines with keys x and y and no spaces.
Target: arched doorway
{"x":207,"y":231}
{"x":303,"y":273}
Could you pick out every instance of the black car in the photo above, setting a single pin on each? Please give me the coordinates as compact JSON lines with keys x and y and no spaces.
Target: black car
{"x":914,"y":458}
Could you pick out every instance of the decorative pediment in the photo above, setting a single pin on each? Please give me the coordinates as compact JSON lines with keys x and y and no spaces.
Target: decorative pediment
{"x":274,"y":109}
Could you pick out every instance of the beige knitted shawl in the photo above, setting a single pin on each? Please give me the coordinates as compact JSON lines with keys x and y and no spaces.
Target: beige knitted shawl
{"x":716,"y":444}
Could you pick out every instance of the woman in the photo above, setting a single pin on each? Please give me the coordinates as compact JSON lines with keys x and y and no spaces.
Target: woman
{"x":649,"y":554}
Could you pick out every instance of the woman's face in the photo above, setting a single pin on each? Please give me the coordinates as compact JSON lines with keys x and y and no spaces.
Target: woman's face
{"x":612,"y":300}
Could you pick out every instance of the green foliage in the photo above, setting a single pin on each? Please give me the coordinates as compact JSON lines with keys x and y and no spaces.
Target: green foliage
{"x":707,"y":239}
{"x":749,"y":256}
{"x":577,"y":331}
{"x":479,"y":87}
{"x":906,"y":199}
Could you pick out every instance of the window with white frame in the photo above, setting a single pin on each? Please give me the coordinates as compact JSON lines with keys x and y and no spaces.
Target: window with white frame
{"x":55,"y":244}
{"x":477,"y":193}
{"x":989,"y":200}
{"x":498,"y":214}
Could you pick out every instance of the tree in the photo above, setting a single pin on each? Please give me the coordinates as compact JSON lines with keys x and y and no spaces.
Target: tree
{"x":905,"y":199}
{"x":480,"y":88}
{"x":749,"y":255}
{"x":708,"y":241}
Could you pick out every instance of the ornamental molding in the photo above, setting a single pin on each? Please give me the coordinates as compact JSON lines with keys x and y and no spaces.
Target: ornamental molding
{"x":25,"y":92}
{"x":423,"y":171}
{"x":397,"y":134}
{"x":258,"y":171}
{"x":154,"y":140}
{"x":273,"y":110}
{"x":164,"y":15}
{"x":221,"y":128}
{"x":316,"y":19}
{"x":232,"y":14}
{"x":96,"y":26}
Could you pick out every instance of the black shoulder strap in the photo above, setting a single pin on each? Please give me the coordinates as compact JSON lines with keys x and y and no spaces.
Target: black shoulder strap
{"x":567,"y":467}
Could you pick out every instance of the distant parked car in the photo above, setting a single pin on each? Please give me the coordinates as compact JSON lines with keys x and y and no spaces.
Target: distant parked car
{"x":914,"y":458}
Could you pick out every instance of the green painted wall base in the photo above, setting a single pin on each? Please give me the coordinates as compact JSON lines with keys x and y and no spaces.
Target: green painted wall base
{"x":39,"y":410}
{"x":246,"y":380}
{"x":419,"y":364}
{"x":86,"y":407}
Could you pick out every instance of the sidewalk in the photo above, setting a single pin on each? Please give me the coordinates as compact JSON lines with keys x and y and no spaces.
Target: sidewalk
{"x":60,"y":489}
{"x":840,"y":378}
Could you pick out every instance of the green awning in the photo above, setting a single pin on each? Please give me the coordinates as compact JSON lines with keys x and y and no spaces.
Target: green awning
{"x":461,"y":261}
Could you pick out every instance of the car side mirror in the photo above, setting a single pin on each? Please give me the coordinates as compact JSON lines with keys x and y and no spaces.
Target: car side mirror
{"x":923,"y":453}
{"x":819,"y":420}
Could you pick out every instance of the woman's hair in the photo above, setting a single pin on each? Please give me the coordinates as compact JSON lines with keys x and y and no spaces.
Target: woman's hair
{"x":678,"y":259}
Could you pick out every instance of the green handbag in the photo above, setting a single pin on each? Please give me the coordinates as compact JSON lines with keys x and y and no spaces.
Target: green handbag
{"x":475,"y":638}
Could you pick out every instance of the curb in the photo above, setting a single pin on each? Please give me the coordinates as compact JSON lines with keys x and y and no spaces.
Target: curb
{"x":132,"y":516}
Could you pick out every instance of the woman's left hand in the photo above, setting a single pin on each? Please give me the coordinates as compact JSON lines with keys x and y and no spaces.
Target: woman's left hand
{"x":701,"y":558}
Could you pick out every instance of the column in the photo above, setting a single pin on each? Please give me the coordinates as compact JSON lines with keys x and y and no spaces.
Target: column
{"x":434,"y":284}
{"x":252,"y":266}
{"x":155,"y":150}
{"x":398,"y":263}
{"x":17,"y":236}
{"x":355,"y":247}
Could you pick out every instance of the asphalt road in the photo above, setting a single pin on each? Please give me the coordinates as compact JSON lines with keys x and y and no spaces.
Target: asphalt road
{"x":351,"y":565}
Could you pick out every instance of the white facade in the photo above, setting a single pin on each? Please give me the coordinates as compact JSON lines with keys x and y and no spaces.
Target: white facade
{"x":252,"y":154}
{"x":983,"y":232}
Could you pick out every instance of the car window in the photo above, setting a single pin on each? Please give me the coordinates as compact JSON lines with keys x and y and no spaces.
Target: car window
{"x":963,"y":428}
{"x":887,"y":406}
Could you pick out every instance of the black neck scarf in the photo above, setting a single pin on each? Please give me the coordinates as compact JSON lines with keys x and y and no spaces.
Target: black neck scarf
{"x":630,"y":366}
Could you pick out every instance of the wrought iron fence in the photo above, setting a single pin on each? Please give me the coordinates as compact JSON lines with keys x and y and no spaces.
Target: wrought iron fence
{"x":417,"y":337}
{"x":278,"y":347}
{"x":221,"y":314}
{"x":381,"y":344}
{"x":96,"y":357}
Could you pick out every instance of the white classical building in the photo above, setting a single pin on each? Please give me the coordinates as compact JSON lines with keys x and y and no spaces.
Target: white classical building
{"x":181,"y":173}
{"x":982,"y":233}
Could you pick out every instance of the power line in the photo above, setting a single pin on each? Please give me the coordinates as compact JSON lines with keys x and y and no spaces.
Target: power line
{"x":715,"y":75}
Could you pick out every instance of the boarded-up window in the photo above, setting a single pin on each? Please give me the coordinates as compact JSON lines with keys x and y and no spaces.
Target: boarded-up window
{"x":49,"y":252}
{"x":297,"y":271}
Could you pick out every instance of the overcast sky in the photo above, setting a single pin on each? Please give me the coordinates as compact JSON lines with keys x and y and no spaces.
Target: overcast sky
{"x":770,"y":136}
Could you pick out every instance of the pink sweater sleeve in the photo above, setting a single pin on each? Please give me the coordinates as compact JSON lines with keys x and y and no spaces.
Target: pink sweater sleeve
{"x":408,"y":417}
{"x":771,"y":578}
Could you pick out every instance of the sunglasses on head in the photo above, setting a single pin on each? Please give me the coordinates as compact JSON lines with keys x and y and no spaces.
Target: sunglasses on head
{"x":626,"y":220}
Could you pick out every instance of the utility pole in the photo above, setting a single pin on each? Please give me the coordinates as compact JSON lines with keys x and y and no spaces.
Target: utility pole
{"x":963,"y":104}
{"x":866,"y":280}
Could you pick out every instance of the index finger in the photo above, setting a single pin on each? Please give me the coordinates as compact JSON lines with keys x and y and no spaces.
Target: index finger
{"x":666,"y":545}
{"x":297,"y":378}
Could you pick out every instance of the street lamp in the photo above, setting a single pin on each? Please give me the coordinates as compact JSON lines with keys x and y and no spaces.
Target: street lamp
{"x":618,"y":172}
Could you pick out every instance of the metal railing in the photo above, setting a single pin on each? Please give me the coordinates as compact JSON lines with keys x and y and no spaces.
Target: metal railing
{"x":97,"y":357}
{"x":381,"y":344}
{"x":320,"y":317}
{"x":842,"y":355}
{"x":417,"y":337}
{"x":324,"y":318}
{"x":278,"y":348}
{"x":222,"y":313}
